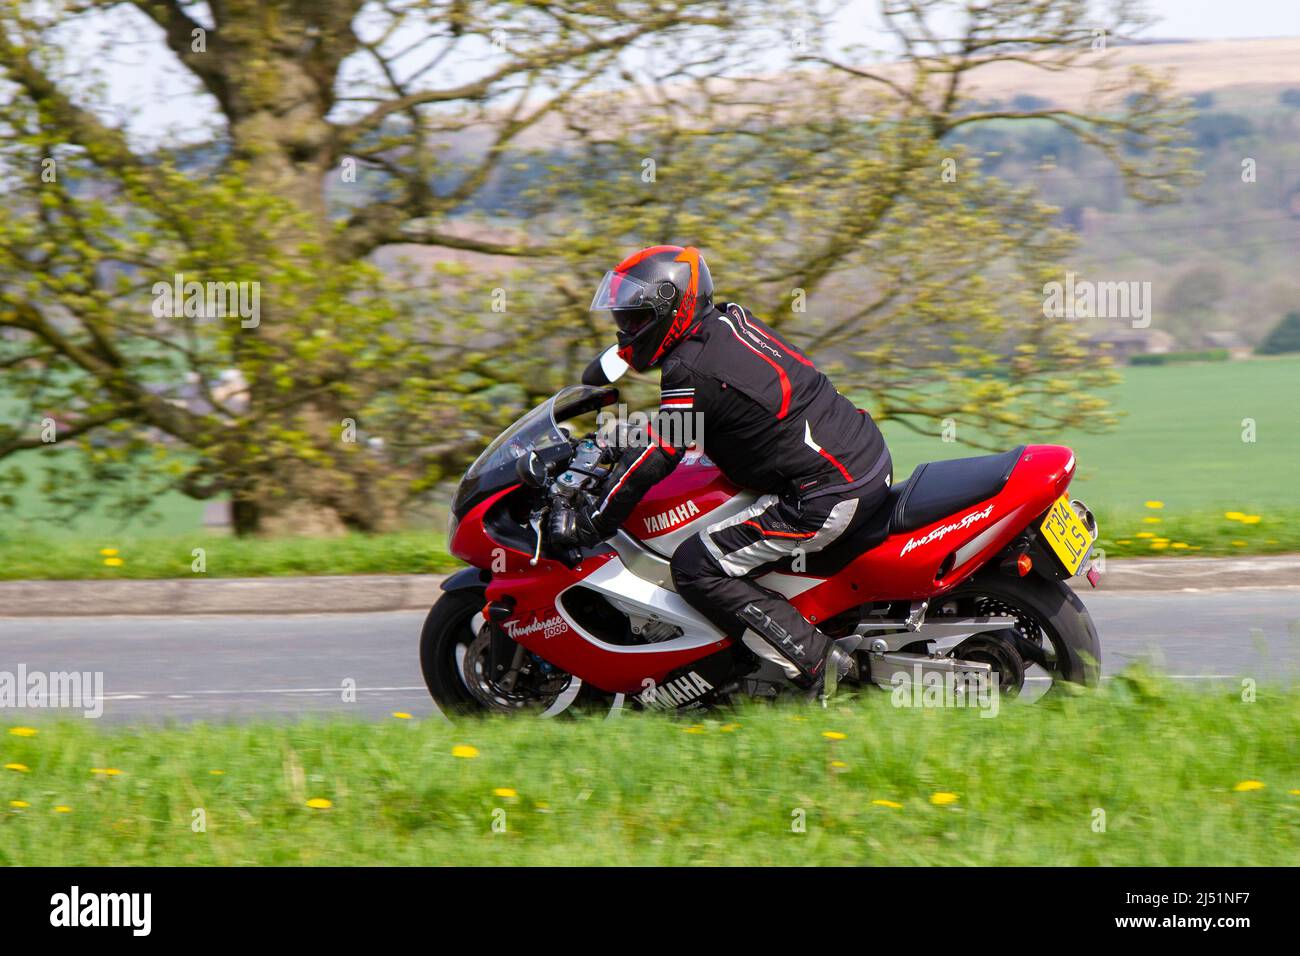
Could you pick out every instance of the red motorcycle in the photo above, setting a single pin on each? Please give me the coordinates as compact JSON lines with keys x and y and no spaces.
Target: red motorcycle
{"x":961,"y":573}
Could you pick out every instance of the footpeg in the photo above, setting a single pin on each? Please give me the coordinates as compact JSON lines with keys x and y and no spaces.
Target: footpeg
{"x":916,"y":616}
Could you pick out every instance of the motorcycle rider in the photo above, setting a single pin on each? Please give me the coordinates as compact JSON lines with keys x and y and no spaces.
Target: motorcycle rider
{"x":771,"y":422}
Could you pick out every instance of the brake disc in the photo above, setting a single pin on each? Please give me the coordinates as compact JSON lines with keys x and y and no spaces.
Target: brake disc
{"x":489,"y":693}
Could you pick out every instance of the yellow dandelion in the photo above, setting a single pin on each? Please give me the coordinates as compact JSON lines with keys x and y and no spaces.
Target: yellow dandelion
{"x":217,"y":773}
{"x":887,"y":803}
{"x":1159,"y":545}
{"x":465,"y":751}
{"x":1180,"y":545}
{"x":113,"y":562}
{"x":943,"y":798}
{"x":1144,"y":534}
{"x":19,"y":804}
{"x":834,"y":735}
{"x":1155,"y":505}
{"x":1239,"y":544}
{"x":1250,"y":519}
{"x":23,"y":731}
{"x":106,"y":771}
{"x":839,"y":765}
{"x":108,"y":552}
{"x":1123,"y":541}
{"x":1151,"y":519}
{"x":1294,"y":793}
{"x":507,"y":792}
{"x":1248,"y":785}
{"x":401,"y":715}
{"x":728,"y":728}
{"x":1233,"y":515}
{"x":693,"y":729}
{"x":63,"y":808}
{"x":18,"y":767}
{"x":319,"y":803}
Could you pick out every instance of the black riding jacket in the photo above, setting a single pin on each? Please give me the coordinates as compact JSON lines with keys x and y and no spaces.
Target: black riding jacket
{"x":764,"y":414}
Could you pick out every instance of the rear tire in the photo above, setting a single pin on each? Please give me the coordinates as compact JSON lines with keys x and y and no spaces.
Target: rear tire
{"x":1055,"y":609}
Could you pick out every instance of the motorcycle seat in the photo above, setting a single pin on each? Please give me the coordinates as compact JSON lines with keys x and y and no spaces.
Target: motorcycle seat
{"x":934,"y":490}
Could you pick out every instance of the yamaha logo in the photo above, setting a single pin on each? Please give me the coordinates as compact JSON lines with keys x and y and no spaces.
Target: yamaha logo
{"x":669,"y":696}
{"x":672,"y":517}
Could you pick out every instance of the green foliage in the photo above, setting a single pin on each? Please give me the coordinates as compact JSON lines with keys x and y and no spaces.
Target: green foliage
{"x":1285,"y":336}
{"x":1162,"y":761}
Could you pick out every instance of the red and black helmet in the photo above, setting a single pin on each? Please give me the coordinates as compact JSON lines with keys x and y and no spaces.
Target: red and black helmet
{"x":657,"y":297}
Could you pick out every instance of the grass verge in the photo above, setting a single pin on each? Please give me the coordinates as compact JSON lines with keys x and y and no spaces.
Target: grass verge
{"x":1182,"y":778}
{"x":1161,"y":532}
{"x":1149,"y":533}
{"x":124,"y":556}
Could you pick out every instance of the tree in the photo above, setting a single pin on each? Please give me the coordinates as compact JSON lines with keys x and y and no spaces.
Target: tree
{"x":834,"y":199}
{"x":852,"y":218}
{"x":311,"y":172}
{"x":1285,"y":336}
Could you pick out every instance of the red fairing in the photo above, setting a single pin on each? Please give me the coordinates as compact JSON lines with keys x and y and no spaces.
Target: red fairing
{"x":693,"y":489}
{"x":906,"y":566}
{"x":536,"y":622}
{"x":915,"y":565}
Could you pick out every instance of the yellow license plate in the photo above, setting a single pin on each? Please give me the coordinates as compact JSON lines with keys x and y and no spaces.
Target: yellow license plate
{"x":1067,"y":535}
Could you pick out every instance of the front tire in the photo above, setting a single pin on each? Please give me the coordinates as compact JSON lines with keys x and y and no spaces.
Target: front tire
{"x":445,"y":642}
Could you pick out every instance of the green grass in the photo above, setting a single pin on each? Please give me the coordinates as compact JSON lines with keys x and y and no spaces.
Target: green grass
{"x":1179,"y":441}
{"x":72,"y":558}
{"x":1197,"y":534}
{"x":1162,"y":764}
{"x":411,"y":552}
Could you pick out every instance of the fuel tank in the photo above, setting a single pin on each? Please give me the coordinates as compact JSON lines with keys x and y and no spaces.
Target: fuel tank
{"x":695,"y":495}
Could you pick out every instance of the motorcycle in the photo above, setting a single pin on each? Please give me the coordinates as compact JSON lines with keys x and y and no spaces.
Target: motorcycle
{"x":961,"y":577}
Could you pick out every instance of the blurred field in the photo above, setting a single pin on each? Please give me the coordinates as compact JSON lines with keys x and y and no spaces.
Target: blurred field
{"x":1179,"y":440}
{"x":1170,"y":769}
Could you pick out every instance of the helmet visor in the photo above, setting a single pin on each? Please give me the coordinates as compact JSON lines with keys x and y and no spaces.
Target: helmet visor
{"x":630,"y":300}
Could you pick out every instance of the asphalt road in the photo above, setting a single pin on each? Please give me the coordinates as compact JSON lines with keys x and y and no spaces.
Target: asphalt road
{"x":284,"y":666}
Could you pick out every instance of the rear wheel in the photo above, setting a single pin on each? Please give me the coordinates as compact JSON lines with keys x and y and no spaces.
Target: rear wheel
{"x":454,"y":656}
{"x":1053,"y":630}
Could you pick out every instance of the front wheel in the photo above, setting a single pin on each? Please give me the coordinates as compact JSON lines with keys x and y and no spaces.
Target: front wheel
{"x":455,"y":658}
{"x":1052,"y":627}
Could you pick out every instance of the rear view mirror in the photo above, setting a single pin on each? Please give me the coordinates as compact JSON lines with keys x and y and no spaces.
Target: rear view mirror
{"x":605,"y":369}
